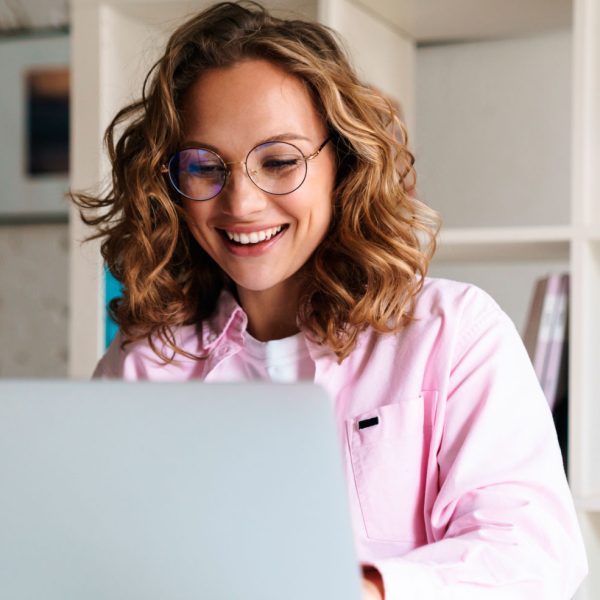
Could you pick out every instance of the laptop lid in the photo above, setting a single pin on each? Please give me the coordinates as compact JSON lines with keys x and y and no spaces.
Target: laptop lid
{"x":127,"y":491}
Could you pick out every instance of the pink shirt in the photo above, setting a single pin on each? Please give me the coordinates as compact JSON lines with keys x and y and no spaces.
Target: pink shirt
{"x":459,"y":491}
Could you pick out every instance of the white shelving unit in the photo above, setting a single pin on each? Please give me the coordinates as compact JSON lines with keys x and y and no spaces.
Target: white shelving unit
{"x":505,"y":243}
{"x":584,"y":446}
{"x":506,"y":259}
{"x":115,"y":41}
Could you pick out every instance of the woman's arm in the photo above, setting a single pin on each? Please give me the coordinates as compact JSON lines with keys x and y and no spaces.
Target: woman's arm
{"x":503,"y":520}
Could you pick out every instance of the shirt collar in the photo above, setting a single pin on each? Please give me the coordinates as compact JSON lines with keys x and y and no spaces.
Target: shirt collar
{"x":228,"y":321}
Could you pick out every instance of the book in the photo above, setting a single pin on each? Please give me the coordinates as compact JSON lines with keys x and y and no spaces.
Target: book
{"x":534,"y":318}
{"x":556,"y":349}
{"x":545,"y":331}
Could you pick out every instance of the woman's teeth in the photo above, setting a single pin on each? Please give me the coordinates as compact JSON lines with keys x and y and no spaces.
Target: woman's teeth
{"x":255,"y":237}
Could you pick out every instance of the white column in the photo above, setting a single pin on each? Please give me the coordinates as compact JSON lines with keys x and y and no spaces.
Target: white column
{"x":584,"y":365}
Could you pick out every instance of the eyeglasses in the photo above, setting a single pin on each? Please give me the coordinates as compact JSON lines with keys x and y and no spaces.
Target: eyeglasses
{"x":274,"y":167}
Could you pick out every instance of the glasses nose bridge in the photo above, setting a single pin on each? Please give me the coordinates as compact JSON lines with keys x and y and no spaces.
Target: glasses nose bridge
{"x":235,"y":162}
{"x":244,"y":165}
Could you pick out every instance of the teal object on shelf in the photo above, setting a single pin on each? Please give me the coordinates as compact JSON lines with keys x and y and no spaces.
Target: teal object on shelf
{"x":112,"y":289}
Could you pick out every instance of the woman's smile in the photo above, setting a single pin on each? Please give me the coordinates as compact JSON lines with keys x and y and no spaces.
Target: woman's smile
{"x":252,"y":236}
{"x":251,"y":241}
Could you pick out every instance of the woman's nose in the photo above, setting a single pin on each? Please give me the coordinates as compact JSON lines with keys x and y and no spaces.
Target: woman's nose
{"x":241,"y":197}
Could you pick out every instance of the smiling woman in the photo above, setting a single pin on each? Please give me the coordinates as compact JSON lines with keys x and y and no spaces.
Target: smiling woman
{"x":262,"y":223}
{"x":353,"y":243}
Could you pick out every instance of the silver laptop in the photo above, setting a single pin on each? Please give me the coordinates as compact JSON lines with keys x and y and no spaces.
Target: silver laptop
{"x":143,"y":491}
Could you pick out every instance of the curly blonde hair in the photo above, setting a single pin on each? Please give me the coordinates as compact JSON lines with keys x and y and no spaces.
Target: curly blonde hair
{"x":369,"y":268}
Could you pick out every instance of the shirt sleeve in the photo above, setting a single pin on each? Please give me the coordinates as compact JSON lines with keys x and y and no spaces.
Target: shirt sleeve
{"x":503,"y":518}
{"x":110,"y":366}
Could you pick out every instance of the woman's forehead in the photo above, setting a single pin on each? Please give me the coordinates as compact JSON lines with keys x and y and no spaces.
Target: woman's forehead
{"x":252,"y":98}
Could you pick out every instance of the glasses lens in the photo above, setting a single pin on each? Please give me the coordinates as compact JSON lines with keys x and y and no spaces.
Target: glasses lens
{"x":197,"y":173}
{"x":276,"y":167}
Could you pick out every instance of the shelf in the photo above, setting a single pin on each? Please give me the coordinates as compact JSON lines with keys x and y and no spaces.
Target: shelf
{"x":589,"y":503}
{"x":504,"y":243}
{"x":593,"y":234}
{"x":166,"y":14}
{"x":29,"y":16}
{"x":586,"y":233}
{"x":433,"y":21}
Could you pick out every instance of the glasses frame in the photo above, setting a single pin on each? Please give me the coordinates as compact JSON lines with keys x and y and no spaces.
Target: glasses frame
{"x":166,"y":168}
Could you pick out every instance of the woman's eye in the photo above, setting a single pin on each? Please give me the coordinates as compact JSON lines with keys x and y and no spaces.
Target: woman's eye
{"x":275,"y":164}
{"x":205,"y":169}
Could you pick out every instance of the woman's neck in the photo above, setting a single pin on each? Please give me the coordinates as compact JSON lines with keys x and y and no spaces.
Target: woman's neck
{"x":272,"y":314}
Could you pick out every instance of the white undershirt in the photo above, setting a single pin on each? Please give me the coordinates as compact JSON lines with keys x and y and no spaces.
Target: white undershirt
{"x":286,"y":360}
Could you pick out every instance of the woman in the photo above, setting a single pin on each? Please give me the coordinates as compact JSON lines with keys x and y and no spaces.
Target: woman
{"x":261,"y":222}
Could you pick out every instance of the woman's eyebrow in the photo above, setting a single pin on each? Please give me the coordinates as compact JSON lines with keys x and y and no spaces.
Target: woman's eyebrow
{"x":282,"y":137}
{"x":279,"y":137}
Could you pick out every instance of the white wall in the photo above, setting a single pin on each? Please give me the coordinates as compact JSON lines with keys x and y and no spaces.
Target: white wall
{"x":33,"y":300}
{"x":383,"y":56}
{"x":493,"y":149}
{"x":513,"y":167}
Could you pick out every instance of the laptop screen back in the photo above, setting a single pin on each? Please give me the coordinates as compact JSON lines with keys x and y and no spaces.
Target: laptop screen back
{"x":125,"y":491}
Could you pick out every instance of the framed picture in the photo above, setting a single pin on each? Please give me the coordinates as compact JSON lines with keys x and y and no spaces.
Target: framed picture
{"x":47,"y":121}
{"x":34,"y":120}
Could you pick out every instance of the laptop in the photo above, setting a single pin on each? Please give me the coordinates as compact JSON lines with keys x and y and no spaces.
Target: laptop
{"x":188,"y":491}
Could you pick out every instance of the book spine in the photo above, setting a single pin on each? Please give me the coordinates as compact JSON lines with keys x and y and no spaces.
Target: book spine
{"x":556,"y":343}
{"x":532,"y":325}
{"x":547,"y":319}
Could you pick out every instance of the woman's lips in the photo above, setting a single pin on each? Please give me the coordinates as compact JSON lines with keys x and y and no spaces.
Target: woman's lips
{"x":251,"y":249}
{"x":252,"y":235}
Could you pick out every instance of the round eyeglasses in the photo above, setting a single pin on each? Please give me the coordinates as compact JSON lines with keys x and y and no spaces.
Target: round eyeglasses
{"x":274,"y":167}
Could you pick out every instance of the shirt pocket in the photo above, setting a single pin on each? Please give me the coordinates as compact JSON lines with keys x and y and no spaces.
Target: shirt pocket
{"x":388,"y":450}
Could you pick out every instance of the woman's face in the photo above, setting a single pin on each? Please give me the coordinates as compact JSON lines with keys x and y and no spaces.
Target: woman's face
{"x":230,"y":111}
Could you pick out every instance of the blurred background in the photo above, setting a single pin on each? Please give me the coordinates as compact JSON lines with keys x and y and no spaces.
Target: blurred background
{"x":485,"y":88}
{"x":34,"y":175}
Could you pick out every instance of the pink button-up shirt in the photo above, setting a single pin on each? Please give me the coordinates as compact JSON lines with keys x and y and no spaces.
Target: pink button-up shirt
{"x":459,"y":491}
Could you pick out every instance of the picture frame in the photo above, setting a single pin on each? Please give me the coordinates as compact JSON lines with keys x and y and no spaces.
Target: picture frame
{"x":23,"y":195}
